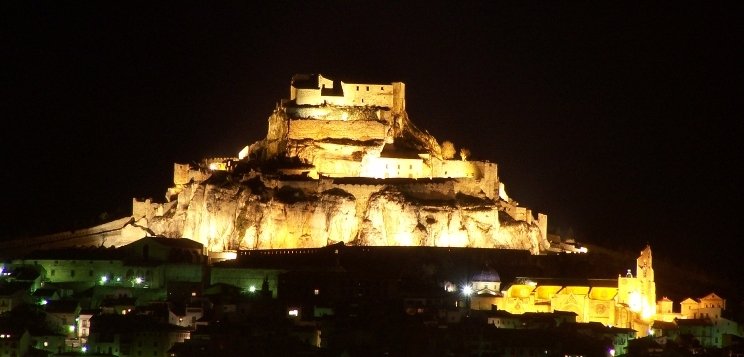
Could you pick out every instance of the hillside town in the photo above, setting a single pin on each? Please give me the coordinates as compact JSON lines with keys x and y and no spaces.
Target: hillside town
{"x":165,"y":297}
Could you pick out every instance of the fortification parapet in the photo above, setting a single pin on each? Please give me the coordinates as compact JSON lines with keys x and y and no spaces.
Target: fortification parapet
{"x":314,"y":89}
{"x":148,"y":209}
{"x":181,"y":174}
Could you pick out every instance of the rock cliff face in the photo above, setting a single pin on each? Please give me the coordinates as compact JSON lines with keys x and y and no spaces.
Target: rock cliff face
{"x":226,"y":215}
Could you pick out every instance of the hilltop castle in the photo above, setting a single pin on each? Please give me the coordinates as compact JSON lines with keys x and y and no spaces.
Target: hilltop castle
{"x":341,"y":162}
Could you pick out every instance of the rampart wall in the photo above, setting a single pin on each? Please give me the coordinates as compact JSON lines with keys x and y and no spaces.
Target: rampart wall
{"x":327,"y":112}
{"x":147,"y":209}
{"x":338,"y":167}
{"x":181,"y":174}
{"x":97,"y":235}
{"x":384,"y":167}
{"x":378,"y":95}
{"x":489,"y":181}
{"x":352,"y":94}
{"x":322,"y":129}
{"x":468,"y":186}
{"x":430,"y":190}
{"x":458,"y":168}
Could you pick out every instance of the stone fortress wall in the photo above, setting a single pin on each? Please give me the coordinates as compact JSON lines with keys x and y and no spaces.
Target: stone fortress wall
{"x":318,"y":90}
{"x":320,"y":129}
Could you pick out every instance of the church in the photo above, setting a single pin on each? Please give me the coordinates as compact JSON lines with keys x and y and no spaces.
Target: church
{"x":628,"y":301}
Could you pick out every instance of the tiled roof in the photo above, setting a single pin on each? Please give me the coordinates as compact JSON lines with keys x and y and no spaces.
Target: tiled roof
{"x":178,"y":242}
{"x":694,"y":322}
{"x":62,"y":306}
{"x":486,"y":276}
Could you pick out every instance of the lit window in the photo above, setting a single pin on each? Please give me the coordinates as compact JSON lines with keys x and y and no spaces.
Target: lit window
{"x":317,"y":291}
{"x":294,"y":312}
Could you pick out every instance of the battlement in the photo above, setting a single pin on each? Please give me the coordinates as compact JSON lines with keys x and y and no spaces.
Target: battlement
{"x":314,"y":89}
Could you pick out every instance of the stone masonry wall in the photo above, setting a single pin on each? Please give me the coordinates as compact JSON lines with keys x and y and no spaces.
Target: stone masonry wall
{"x":321,"y":129}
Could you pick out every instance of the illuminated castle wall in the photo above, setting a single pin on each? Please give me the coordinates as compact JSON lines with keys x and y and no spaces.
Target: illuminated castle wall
{"x":314,"y":89}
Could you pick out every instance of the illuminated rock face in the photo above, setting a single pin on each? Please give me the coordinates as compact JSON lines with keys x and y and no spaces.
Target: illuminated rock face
{"x":341,"y":162}
{"x":230,"y":216}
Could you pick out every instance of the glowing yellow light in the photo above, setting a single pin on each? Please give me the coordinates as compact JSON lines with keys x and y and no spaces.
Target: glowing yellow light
{"x":647,"y":311}
{"x":46,"y":344}
{"x":612,"y":352}
{"x":294,"y":312}
{"x":213,"y":167}
{"x":467,"y":290}
{"x":634,"y":301}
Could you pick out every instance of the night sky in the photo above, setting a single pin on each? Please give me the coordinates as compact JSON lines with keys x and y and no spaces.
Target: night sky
{"x":622,"y":122}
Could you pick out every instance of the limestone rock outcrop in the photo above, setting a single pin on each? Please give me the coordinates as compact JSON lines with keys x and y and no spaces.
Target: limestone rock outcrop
{"x":226,"y":215}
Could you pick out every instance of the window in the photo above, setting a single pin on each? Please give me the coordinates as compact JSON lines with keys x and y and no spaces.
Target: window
{"x":53,"y":272}
{"x":90,"y":273}
{"x":382,"y":88}
{"x":357,"y":88}
{"x":367,"y":88}
{"x":72,"y":273}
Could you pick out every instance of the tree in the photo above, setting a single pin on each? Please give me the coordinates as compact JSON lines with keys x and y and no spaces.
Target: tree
{"x":464,"y":153}
{"x":448,"y":150}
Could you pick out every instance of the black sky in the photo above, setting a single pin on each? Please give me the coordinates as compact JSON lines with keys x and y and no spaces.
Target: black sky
{"x":620,"y":121}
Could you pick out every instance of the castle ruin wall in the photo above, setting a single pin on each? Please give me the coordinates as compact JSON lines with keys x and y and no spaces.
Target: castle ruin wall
{"x":327,"y":112}
{"x":321,"y":129}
